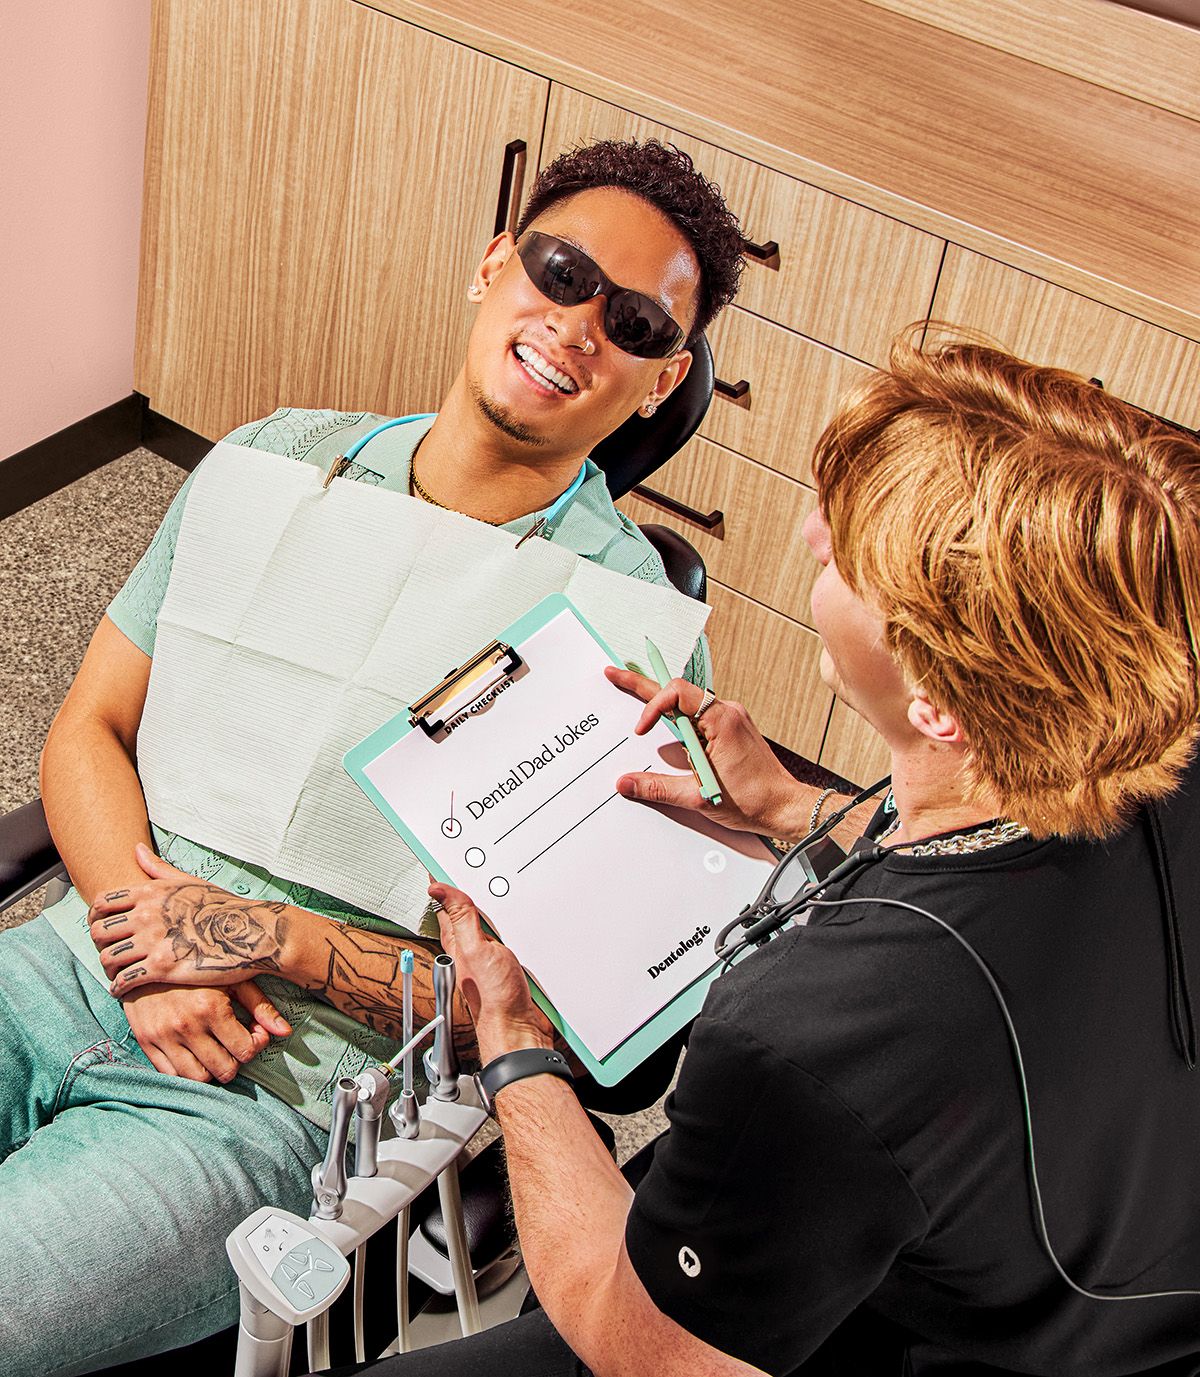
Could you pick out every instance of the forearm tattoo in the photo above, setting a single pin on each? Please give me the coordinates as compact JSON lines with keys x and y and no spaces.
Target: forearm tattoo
{"x":215,"y":934}
{"x":363,"y":980}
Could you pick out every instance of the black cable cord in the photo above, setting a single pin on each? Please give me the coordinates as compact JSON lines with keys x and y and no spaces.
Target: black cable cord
{"x":763,"y":902}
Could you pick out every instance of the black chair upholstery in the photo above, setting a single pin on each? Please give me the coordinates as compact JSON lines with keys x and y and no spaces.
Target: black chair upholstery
{"x":28,"y":858}
{"x":684,"y":566}
{"x":642,"y":444}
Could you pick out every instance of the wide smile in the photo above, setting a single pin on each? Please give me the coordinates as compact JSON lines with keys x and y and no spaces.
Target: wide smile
{"x":542,"y":374}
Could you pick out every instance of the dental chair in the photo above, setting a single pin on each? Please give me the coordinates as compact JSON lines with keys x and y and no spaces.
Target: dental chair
{"x":29,"y":860}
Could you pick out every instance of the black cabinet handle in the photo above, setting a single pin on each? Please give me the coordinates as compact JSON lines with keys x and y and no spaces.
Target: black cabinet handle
{"x":512,"y":180}
{"x":713,"y":522}
{"x":766,"y":254}
{"x":738,"y":392}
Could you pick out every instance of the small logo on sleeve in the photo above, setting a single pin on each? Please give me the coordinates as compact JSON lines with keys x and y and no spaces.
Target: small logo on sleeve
{"x":689,"y":1262}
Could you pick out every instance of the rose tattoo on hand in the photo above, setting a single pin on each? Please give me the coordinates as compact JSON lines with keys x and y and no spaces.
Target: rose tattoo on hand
{"x":212,"y":933}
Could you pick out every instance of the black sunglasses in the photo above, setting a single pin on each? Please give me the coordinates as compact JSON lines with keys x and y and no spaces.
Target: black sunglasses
{"x":633,"y":322}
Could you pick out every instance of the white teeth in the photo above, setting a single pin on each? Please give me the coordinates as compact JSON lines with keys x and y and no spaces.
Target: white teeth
{"x":533,"y":362}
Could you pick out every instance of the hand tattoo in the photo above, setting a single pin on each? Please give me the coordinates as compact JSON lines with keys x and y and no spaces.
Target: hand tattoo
{"x":115,"y":895}
{"x":211,"y":932}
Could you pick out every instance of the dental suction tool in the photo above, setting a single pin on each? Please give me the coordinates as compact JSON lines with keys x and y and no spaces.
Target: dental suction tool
{"x":373,"y":1087}
{"x":405,"y":1113}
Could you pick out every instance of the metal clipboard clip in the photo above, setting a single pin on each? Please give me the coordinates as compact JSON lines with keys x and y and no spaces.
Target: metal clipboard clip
{"x":464,"y":687}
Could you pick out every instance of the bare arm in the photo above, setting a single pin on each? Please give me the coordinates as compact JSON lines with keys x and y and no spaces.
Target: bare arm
{"x":97,"y":815}
{"x":90,"y":787}
{"x":569,"y":1199}
{"x":177,"y":929}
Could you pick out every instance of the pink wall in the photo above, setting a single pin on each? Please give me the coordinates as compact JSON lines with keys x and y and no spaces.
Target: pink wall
{"x":72,"y":129}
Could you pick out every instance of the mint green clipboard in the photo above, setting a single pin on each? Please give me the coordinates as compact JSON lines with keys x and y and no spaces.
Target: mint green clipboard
{"x":628,"y":1055}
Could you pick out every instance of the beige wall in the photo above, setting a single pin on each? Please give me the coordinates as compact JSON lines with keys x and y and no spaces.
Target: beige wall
{"x":72,"y":128}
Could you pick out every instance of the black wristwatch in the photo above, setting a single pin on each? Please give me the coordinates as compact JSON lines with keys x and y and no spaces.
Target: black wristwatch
{"x":515,"y":1066}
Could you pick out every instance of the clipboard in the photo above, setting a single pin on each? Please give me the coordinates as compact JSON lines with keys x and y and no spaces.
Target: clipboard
{"x":453,"y":706}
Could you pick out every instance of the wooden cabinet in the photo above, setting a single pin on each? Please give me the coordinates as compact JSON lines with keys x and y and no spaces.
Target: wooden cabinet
{"x":794,"y":383}
{"x":315,"y":203}
{"x":759,"y":547}
{"x":771,"y":664}
{"x":1148,"y":366}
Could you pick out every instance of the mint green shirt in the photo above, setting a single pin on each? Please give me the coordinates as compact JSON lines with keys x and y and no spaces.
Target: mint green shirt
{"x":326,"y":1044}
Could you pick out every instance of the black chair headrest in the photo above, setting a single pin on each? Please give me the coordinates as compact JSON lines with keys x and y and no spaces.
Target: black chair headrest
{"x":642,"y":444}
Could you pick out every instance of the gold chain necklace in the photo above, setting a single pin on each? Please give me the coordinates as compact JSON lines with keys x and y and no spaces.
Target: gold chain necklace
{"x":414,"y":484}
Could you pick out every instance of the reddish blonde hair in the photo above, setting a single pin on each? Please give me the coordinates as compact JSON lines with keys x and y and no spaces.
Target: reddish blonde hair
{"x":1033,"y":545}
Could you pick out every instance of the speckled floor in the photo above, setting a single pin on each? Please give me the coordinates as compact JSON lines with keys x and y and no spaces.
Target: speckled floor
{"x":61,"y":561}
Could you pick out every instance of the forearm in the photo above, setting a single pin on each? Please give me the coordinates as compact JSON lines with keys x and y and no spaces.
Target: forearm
{"x":358,"y":972}
{"x":93,"y":803}
{"x":571,"y":1204}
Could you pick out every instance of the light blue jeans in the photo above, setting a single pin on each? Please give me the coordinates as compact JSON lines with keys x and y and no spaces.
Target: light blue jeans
{"x":118,"y":1184}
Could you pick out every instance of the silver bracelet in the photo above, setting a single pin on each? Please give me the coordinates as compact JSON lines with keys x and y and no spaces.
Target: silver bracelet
{"x":815,"y":816}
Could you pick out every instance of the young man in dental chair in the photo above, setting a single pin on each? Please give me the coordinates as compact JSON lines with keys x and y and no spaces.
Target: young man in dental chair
{"x":171,"y":1028}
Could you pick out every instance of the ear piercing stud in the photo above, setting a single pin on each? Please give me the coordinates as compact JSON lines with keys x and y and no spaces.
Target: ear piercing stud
{"x":649,"y":409}
{"x":474,"y":291}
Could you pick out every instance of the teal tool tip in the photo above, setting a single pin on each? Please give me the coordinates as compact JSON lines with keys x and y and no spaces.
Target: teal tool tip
{"x":406,"y":962}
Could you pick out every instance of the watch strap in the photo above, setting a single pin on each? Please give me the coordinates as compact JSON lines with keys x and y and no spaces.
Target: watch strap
{"x":516,"y":1066}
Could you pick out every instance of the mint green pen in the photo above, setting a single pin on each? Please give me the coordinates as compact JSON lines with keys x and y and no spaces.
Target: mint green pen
{"x":710,"y":790}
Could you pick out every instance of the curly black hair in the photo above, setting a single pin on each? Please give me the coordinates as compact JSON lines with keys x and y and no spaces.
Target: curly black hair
{"x":666,"y":178}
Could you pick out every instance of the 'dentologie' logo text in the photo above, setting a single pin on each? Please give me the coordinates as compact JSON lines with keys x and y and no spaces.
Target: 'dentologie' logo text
{"x":682,"y":949}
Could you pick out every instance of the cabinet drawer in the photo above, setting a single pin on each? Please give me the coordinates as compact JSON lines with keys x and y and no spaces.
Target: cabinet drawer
{"x":848,"y":276}
{"x":794,"y":389}
{"x":760,"y":550}
{"x":853,"y":748}
{"x":772,"y":665}
{"x":1146,"y":365}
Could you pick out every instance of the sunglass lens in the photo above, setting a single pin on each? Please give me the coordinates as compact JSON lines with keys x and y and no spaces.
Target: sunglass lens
{"x":558,"y":270}
{"x":568,"y":276}
{"x":640,"y":327}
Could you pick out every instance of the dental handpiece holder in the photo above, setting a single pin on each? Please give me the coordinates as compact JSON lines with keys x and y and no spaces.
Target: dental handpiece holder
{"x":329,"y":1176}
{"x":373,"y":1088}
{"x":291,"y":1270}
{"x":441,"y":1061}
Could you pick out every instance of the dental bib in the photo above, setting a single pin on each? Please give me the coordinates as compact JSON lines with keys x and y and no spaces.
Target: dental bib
{"x":298,"y":620}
